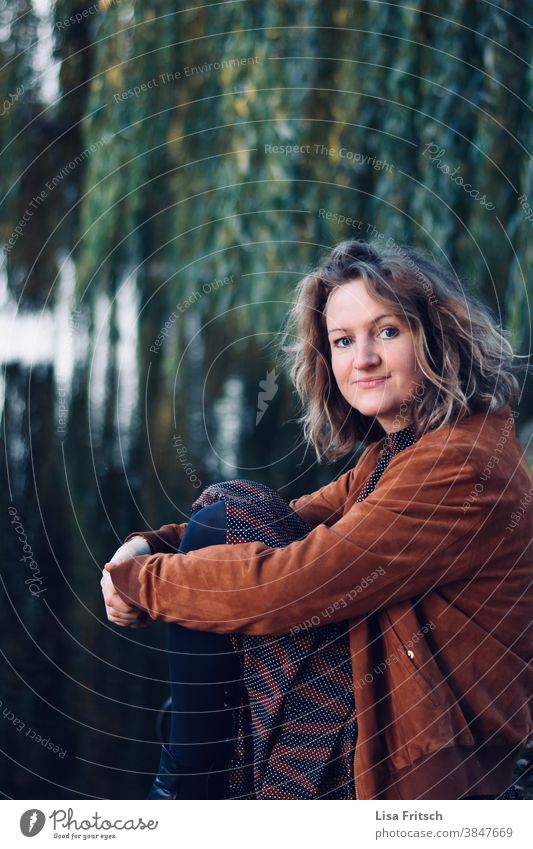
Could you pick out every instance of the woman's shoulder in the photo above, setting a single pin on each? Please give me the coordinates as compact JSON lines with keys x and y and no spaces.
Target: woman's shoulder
{"x":473,"y":439}
{"x":476,"y":432}
{"x":479,"y":440}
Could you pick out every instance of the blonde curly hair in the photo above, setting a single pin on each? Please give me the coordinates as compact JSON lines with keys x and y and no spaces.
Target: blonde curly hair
{"x":465,"y":357}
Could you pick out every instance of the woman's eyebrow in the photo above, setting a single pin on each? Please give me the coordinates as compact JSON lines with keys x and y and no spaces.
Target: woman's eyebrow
{"x":372,"y":321}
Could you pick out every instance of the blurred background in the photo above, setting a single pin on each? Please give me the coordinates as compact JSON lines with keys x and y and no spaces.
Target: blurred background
{"x":168,"y":172}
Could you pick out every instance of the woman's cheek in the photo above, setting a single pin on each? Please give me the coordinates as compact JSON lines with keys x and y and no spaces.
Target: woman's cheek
{"x":337,"y":368}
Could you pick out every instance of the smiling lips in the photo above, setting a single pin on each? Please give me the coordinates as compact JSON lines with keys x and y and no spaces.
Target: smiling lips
{"x":369,"y":383}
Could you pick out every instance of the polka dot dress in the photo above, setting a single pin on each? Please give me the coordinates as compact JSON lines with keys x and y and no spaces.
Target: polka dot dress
{"x":296,"y":728}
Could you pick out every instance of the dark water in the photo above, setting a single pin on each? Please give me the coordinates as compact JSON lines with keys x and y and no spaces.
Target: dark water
{"x":89,"y":454}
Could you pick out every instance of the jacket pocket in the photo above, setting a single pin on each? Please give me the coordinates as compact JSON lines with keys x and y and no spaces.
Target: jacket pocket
{"x":420,"y":712}
{"x":415,"y":658}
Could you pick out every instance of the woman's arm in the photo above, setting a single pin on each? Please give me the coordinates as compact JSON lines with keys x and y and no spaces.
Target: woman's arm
{"x":410,"y":535}
{"x":166,"y":540}
{"x":326,"y":505}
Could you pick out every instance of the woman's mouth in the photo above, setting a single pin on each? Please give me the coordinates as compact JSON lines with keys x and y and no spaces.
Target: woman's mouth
{"x":369,"y":383}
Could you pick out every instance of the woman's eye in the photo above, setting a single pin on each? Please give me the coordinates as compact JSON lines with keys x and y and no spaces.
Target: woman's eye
{"x":344,"y":341}
{"x":337,"y":342}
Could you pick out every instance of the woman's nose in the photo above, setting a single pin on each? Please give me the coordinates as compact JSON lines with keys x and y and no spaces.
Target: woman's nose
{"x":365,"y":355}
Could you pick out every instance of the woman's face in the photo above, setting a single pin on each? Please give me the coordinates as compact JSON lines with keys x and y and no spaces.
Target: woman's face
{"x":372,"y":356}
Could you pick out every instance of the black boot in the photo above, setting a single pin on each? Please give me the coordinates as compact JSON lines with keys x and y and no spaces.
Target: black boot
{"x":177,"y":782}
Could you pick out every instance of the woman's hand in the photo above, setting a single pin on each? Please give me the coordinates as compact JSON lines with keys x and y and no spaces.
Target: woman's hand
{"x":117,"y":610}
{"x":133,"y":547}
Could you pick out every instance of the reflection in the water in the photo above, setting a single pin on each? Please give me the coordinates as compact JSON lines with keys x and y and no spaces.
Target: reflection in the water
{"x":89,"y":454}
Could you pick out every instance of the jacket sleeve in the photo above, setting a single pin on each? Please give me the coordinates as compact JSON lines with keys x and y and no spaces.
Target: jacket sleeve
{"x":164,"y":541}
{"x":408,"y":536}
{"x":326,"y":505}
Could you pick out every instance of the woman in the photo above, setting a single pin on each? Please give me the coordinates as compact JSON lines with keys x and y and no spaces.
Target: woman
{"x":382,"y":623}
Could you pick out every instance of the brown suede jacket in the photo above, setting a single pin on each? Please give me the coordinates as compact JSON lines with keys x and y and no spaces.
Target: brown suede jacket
{"x":433,"y":570}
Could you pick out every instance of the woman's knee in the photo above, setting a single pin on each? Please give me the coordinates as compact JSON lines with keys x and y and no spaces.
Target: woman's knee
{"x":207,"y":526}
{"x":239,"y":490}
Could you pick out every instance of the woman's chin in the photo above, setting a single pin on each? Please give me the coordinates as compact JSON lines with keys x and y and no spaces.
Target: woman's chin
{"x":371,"y":410}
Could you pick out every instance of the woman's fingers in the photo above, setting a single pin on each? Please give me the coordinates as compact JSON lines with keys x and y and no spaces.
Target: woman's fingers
{"x":117,"y":610}
{"x":108,"y":590}
{"x":111,"y":597}
{"x":121,"y":617}
{"x":124,"y":619}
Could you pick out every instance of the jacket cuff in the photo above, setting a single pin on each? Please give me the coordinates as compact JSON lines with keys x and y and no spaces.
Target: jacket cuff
{"x":126,"y":579}
{"x":165,"y":540}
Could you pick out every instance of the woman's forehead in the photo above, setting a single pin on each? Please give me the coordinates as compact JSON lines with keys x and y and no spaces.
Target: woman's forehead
{"x":352,"y":300}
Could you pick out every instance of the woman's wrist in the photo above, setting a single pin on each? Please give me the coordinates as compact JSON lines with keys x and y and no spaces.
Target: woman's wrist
{"x":139,"y":546}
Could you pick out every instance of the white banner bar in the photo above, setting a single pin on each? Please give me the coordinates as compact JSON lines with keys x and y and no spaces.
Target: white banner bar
{"x":267,"y":825}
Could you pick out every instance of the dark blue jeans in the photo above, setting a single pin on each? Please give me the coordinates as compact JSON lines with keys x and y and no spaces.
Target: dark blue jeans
{"x":205,"y":674}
